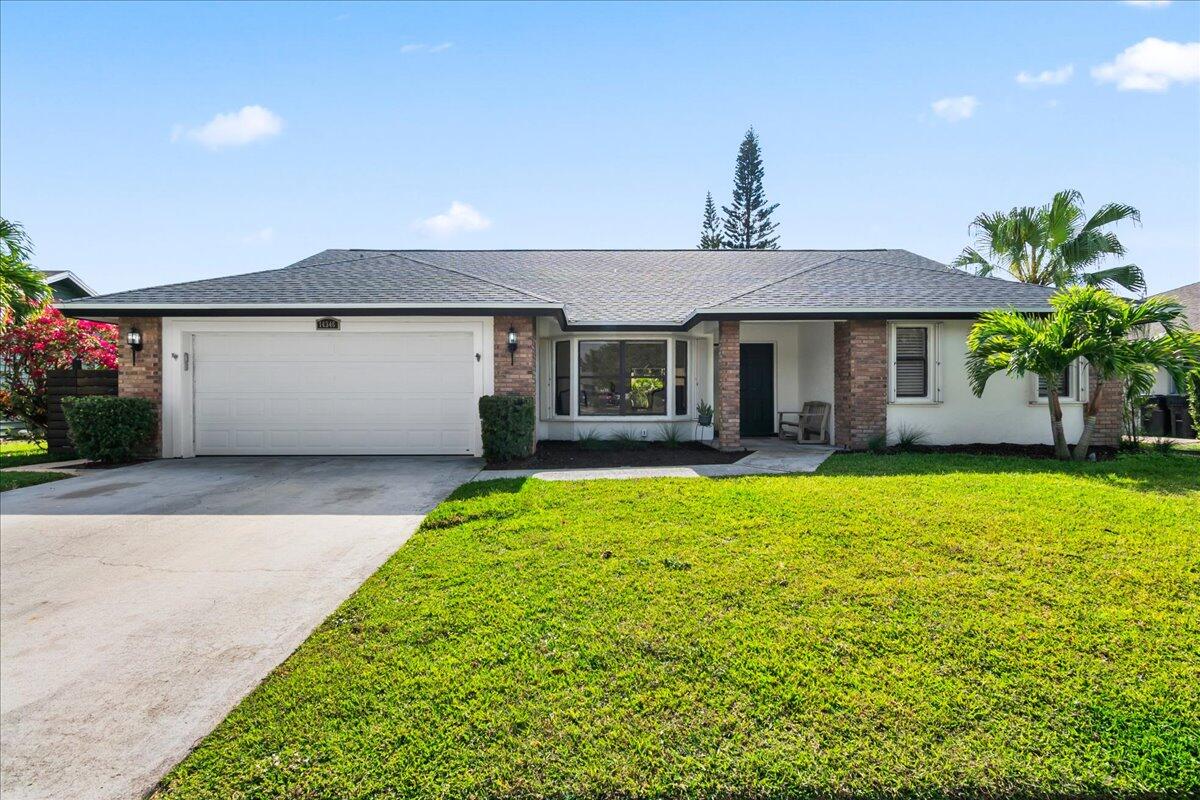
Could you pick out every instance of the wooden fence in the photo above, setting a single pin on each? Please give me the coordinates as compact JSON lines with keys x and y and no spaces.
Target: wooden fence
{"x":62,"y":383}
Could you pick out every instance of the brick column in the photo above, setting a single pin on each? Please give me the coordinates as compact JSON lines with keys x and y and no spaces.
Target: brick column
{"x":729,"y":386}
{"x":143,"y":379}
{"x":514,"y":372}
{"x":860,"y":374}
{"x":1108,"y":430}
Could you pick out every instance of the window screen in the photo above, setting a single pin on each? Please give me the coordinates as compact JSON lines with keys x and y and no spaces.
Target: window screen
{"x":912,"y":362}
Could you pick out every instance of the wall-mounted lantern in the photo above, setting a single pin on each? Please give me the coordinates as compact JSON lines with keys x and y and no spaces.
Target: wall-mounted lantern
{"x":512,"y":345}
{"x":134,"y":339}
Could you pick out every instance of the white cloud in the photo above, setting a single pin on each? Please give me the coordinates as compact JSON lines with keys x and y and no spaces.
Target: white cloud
{"x":421,"y":47}
{"x":1047,"y":77}
{"x":459,"y":218}
{"x":955,"y":109}
{"x":1152,"y":65}
{"x":234,"y":129}
{"x":260,"y":236}
{"x":1148,"y":3}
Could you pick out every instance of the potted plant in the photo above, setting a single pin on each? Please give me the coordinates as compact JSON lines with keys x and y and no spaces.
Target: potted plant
{"x":704,"y":414}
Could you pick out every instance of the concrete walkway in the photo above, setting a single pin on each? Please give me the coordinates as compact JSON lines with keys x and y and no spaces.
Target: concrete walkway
{"x":140,"y":604}
{"x":771,"y":456}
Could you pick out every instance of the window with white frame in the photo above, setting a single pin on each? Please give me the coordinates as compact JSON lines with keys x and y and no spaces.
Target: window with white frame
{"x":1068,"y":384}
{"x":913,"y":373}
{"x":587,"y":377}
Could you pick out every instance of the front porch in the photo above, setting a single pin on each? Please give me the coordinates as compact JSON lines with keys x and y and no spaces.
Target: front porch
{"x":645,"y":385}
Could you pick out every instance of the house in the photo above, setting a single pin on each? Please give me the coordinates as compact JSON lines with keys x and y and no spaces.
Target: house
{"x":388,"y":351}
{"x":66,"y":285}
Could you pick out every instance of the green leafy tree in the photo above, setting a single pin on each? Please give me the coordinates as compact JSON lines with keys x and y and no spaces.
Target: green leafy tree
{"x":1053,"y":245}
{"x":1108,"y":332}
{"x":748,"y":224}
{"x":23,"y":289}
{"x":711,"y":237}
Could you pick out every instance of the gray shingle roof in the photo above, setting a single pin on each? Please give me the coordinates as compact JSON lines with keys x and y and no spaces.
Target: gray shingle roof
{"x":602,"y":286}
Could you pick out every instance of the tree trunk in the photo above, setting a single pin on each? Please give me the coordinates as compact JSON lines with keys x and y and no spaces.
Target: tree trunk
{"x":1090,"y":411}
{"x":1056,"y":424}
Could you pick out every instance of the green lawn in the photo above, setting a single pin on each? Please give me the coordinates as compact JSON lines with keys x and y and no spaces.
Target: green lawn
{"x":894,"y":626}
{"x":20,"y":453}
{"x":15,"y":480}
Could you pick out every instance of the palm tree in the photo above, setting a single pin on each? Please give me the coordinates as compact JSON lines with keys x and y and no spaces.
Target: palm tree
{"x":23,"y":289}
{"x":1053,"y":245}
{"x":1108,"y":332}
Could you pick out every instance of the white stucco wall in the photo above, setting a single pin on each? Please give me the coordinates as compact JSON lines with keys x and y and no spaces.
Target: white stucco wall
{"x":1005,"y":413}
{"x":804,"y":371}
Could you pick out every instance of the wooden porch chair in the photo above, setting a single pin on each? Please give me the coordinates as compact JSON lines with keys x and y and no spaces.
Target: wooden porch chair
{"x":808,"y":425}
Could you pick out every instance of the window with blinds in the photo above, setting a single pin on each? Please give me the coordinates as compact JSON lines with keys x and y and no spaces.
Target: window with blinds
{"x":1064,"y":384}
{"x":912,"y":362}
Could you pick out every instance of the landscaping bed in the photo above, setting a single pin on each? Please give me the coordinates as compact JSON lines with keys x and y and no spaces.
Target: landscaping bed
{"x":576,"y":455}
{"x":914,"y":626}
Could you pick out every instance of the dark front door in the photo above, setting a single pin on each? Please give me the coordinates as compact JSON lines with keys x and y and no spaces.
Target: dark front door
{"x":758,"y":389}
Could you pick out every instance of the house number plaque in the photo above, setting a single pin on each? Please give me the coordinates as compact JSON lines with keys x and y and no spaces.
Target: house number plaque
{"x":329,"y":324}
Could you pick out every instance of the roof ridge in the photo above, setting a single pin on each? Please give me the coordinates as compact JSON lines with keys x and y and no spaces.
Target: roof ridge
{"x":476,"y":277}
{"x":800,"y":271}
{"x":947,"y":271}
{"x":218,"y":278}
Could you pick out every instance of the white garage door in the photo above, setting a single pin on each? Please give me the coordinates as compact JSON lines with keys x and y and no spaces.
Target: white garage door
{"x":335,"y":393}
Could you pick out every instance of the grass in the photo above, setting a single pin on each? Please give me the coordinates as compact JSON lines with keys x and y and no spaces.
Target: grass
{"x":20,"y":453}
{"x":17,"y":480}
{"x":901,"y":626}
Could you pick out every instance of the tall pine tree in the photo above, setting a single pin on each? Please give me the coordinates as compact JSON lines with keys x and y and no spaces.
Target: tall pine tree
{"x":748,"y":224}
{"x":711,"y":237}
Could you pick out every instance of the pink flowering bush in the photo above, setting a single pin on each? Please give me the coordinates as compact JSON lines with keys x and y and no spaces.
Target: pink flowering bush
{"x":44,"y":342}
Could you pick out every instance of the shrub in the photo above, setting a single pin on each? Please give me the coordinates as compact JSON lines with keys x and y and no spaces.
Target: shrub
{"x":878,"y":443}
{"x":909,"y":437}
{"x":110,"y":429}
{"x":508,"y":427}
{"x":670,"y":436}
{"x":591,"y":440}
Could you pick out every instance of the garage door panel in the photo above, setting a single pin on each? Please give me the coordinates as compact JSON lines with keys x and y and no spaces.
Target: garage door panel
{"x":335,"y":393}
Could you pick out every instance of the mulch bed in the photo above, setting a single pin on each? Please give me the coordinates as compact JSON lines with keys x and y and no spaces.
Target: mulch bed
{"x":1003,"y":449}
{"x":569,"y":455}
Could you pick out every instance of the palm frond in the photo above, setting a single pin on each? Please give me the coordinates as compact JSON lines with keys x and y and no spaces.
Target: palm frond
{"x":1129,"y":277}
{"x":1110,"y":213}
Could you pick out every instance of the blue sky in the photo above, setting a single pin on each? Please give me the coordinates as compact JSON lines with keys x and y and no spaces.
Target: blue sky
{"x":359,"y":125}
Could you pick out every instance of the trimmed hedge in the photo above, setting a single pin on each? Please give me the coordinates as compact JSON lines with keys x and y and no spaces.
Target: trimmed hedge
{"x":110,"y":429}
{"x":508,"y":425}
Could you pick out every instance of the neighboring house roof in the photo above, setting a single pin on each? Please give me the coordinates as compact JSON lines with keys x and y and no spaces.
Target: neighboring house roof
{"x":593,"y":287}
{"x":1189,"y":297}
{"x":66,"y":285}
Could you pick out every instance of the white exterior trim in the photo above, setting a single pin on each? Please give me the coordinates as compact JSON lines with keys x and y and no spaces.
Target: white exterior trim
{"x":177,"y":424}
{"x":933,"y":356}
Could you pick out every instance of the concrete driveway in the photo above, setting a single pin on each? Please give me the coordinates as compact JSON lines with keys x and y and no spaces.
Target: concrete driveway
{"x":139,"y":605}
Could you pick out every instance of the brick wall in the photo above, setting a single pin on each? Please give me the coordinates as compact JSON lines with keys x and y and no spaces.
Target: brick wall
{"x":514,"y":373}
{"x":1108,"y":422}
{"x":860,"y":374}
{"x":729,"y":386}
{"x":143,"y":379}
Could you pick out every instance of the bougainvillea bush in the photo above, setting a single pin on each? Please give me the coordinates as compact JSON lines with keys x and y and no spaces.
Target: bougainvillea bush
{"x":45,"y":342}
